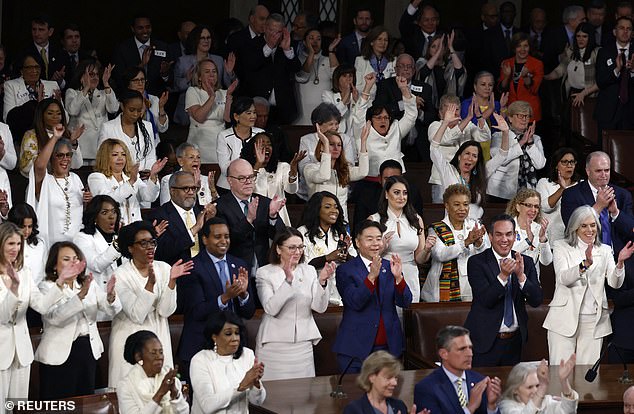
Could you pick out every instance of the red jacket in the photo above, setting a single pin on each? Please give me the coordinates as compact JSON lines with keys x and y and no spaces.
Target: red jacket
{"x":529,"y":94}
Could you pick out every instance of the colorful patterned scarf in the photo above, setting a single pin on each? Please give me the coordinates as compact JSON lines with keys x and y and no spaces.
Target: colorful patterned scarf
{"x":449,"y":277}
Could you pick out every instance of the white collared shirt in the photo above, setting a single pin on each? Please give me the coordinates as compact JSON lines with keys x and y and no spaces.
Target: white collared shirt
{"x":138,"y":46}
{"x":515,"y":326}
{"x":182,"y":213}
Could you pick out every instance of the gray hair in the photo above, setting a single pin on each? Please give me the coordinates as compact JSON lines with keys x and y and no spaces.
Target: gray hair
{"x":516,"y":378}
{"x":596,"y":154}
{"x":578,"y":216}
{"x":174,"y":177}
{"x":325,"y":112}
{"x":448,"y":334}
{"x":62,"y":142}
{"x":260,"y":100}
{"x":481,"y":75}
{"x":406,"y":56}
{"x":275,"y":17}
{"x":570,"y":12}
{"x":180,"y":150}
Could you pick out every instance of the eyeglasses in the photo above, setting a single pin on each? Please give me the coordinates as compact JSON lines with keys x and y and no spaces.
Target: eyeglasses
{"x":527,"y":205}
{"x":188,"y":189}
{"x":381,"y":117}
{"x":62,"y":155}
{"x":408,"y":67}
{"x":244,"y":178}
{"x":568,"y":163}
{"x":292,"y":249}
{"x":522,"y":116}
{"x":142,"y":80}
{"x":146,"y":243}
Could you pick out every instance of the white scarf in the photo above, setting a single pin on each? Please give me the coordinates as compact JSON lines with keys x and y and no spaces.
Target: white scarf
{"x":146,"y":387}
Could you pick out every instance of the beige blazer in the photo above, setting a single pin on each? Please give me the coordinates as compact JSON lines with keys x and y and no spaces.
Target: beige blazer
{"x":571,"y":286}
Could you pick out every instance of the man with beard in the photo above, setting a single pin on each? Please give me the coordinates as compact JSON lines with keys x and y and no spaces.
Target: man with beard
{"x":350,"y":46}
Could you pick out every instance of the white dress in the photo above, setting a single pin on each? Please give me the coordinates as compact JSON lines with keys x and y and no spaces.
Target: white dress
{"x":141,"y":310}
{"x":272,"y":184}
{"x":539,"y":252}
{"x":404,"y":245}
{"x":556,"y":226}
{"x":35,"y":258}
{"x":324,"y":245}
{"x":287,"y":333}
{"x":215,"y":380}
{"x":229,"y":149}
{"x":58,"y":219}
{"x":205,"y":135}
{"x":129,"y":196}
{"x":441,"y":253}
{"x":307,"y":91}
{"x":136,"y":145}
{"x":135,"y":392}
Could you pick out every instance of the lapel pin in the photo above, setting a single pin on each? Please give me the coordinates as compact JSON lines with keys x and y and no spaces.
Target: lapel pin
{"x":233,"y":265}
{"x":384,"y":270}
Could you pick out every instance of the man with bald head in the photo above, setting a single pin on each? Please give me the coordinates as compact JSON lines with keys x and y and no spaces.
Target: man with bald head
{"x":253,"y":219}
{"x":628,"y":400}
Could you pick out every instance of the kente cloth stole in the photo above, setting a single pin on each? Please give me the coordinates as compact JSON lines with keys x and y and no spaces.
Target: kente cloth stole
{"x":449,"y":277}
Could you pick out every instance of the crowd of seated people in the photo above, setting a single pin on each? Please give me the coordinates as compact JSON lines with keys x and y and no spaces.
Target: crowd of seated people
{"x":104,"y":232}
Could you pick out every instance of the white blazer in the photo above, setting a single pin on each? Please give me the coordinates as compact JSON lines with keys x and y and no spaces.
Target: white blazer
{"x":129,"y":196}
{"x":228,"y":148}
{"x":215,"y":380}
{"x":90,"y":114}
{"x":288,"y":307}
{"x":113,"y":129}
{"x":571,"y":286}
{"x":503,"y":181}
{"x":15,"y":93}
{"x":14,"y":332}
{"x":345,"y":126}
{"x":363,"y":67}
{"x":62,"y":319}
{"x":101,"y":257}
{"x":549,"y":405}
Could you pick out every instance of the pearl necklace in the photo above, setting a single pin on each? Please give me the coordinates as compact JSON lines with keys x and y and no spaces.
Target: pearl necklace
{"x":67,"y":199}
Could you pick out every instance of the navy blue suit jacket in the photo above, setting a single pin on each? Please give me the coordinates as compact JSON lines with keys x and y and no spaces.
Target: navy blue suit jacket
{"x":175,"y":243}
{"x":621,"y":228}
{"x":348,"y":49}
{"x":363,"y":406}
{"x":362,"y":310}
{"x":198,"y":296}
{"x":436,"y":393}
{"x":126,"y":55}
{"x":487,"y":308}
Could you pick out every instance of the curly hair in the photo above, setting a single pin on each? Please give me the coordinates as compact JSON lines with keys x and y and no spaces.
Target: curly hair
{"x":477,"y":176}
{"x":312,"y":221}
{"x":248,"y":151}
{"x":522,"y":195}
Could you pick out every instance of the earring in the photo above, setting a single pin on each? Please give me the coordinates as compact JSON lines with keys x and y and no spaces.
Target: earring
{"x":216,"y":348}
{"x":140,"y":362}
{"x":475,"y":171}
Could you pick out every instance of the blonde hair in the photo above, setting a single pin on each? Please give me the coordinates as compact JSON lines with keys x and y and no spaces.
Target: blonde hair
{"x":102,"y":159}
{"x":373,"y":364}
{"x":198,"y":73}
{"x":518,"y":107}
{"x":8,"y":230}
{"x":520,"y":197}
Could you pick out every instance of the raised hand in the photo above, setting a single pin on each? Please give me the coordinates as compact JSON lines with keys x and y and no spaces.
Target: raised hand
{"x":325,"y":144}
{"x":76,"y":133}
{"x":567,"y":367}
{"x":626,"y":252}
{"x":260,"y":155}
{"x":110,"y":288}
{"x":107,"y":73}
{"x":326,"y":272}
{"x":4,"y":204}
{"x":542,"y":373}
{"x":529,"y":230}
{"x":252,"y":210}
{"x":370,"y":80}
{"x":588,"y":254}
{"x":71,"y":271}
{"x":160,"y":228}
{"x":506,"y":70}
{"x":543,"y":229}
{"x":605,"y":195}
{"x":519,"y":266}
{"x":85,"y":286}
{"x":243,"y":281}
{"x":211,"y":181}
{"x":450,"y":113}
{"x":401,"y":83}
{"x":295,"y":162}
{"x":276,"y":205}
{"x":365,"y":132}
{"x":230,"y":62}
{"x":430,"y":242}
{"x":504,"y":98}
{"x":494,"y":391}
{"x":15,"y":279}
{"x":163,"y":99}
{"x":156,"y":168}
{"x":285,"y":44}
{"x":85,"y":81}
{"x":475,"y":394}
{"x":180,"y":268}
{"x":396,"y":266}
{"x":232,"y":87}
{"x":58,"y":131}
{"x":502,"y":125}
{"x":375,"y":268}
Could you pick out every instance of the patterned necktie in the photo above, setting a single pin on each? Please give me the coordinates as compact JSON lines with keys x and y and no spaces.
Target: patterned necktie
{"x":45,"y":59}
{"x":462,"y":399}
{"x":190,"y":223}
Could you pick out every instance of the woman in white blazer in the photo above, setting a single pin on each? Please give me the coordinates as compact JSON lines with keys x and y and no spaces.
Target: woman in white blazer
{"x":19,"y":91}
{"x":17,"y":294}
{"x":35,"y":249}
{"x":147,"y":290}
{"x":130,"y":128}
{"x":344,"y":95}
{"x":375,"y":58}
{"x":150,"y":386}
{"x":89,"y":106}
{"x":578,"y":317}
{"x":225,"y":375}
{"x":116,"y":176}
{"x":70,"y":344}
{"x":289,"y":291}
{"x":97,"y":240}
{"x":525,"y":156}
{"x":332,"y":172}
{"x":384,"y":141}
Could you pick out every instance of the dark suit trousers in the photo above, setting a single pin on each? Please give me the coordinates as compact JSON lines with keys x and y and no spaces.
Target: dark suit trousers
{"x":505,"y":352}
{"x":76,"y":376}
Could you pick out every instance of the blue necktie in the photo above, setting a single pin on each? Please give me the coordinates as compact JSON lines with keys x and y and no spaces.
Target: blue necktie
{"x":220,"y":267}
{"x":508,"y":304}
{"x":604,"y":218}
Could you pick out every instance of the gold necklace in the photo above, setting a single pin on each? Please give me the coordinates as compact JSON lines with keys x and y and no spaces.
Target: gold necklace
{"x":67,"y":199}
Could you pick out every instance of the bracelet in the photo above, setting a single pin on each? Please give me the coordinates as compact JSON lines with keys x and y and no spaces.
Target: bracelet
{"x":163,"y":114}
{"x":331,"y":51}
{"x":365,"y":94}
{"x":479,"y":117}
{"x":569,"y":395}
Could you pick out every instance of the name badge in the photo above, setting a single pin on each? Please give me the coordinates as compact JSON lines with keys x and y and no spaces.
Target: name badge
{"x":160,"y":53}
{"x":587,"y":62}
{"x":609,"y":62}
{"x":416,"y":88}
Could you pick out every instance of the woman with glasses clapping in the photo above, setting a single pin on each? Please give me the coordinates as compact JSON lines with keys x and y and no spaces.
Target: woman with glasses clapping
{"x":147,"y":290}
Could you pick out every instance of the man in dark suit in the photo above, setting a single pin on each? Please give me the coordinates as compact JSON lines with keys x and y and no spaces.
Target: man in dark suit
{"x":497,"y":40}
{"x":350,"y":46}
{"x":248,"y":40}
{"x":178,"y":48}
{"x":371,"y":288}
{"x":253,"y":220}
{"x":615,"y":103}
{"x":596,"y":12}
{"x":181,"y":239}
{"x":502,"y":281}
{"x":49,"y":56}
{"x":142,"y":51}
{"x":439,"y":391}
{"x":489,"y":18}
{"x":418,"y":27}
{"x":71,"y":45}
{"x":218,"y":281}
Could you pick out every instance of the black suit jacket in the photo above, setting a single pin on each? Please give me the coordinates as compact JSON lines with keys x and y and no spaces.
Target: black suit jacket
{"x":246,"y":238}
{"x":621,"y":228}
{"x":70,"y":68}
{"x":412,"y":35}
{"x":57,"y":59}
{"x":554,"y":41}
{"x":198,"y":297}
{"x":242,"y":45}
{"x":348,"y":49}
{"x":388,"y":94}
{"x":608,"y":103}
{"x":175,"y":243}
{"x":126,"y":55}
{"x":487,"y":308}
{"x":494,"y":49}
{"x":363,"y":406}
